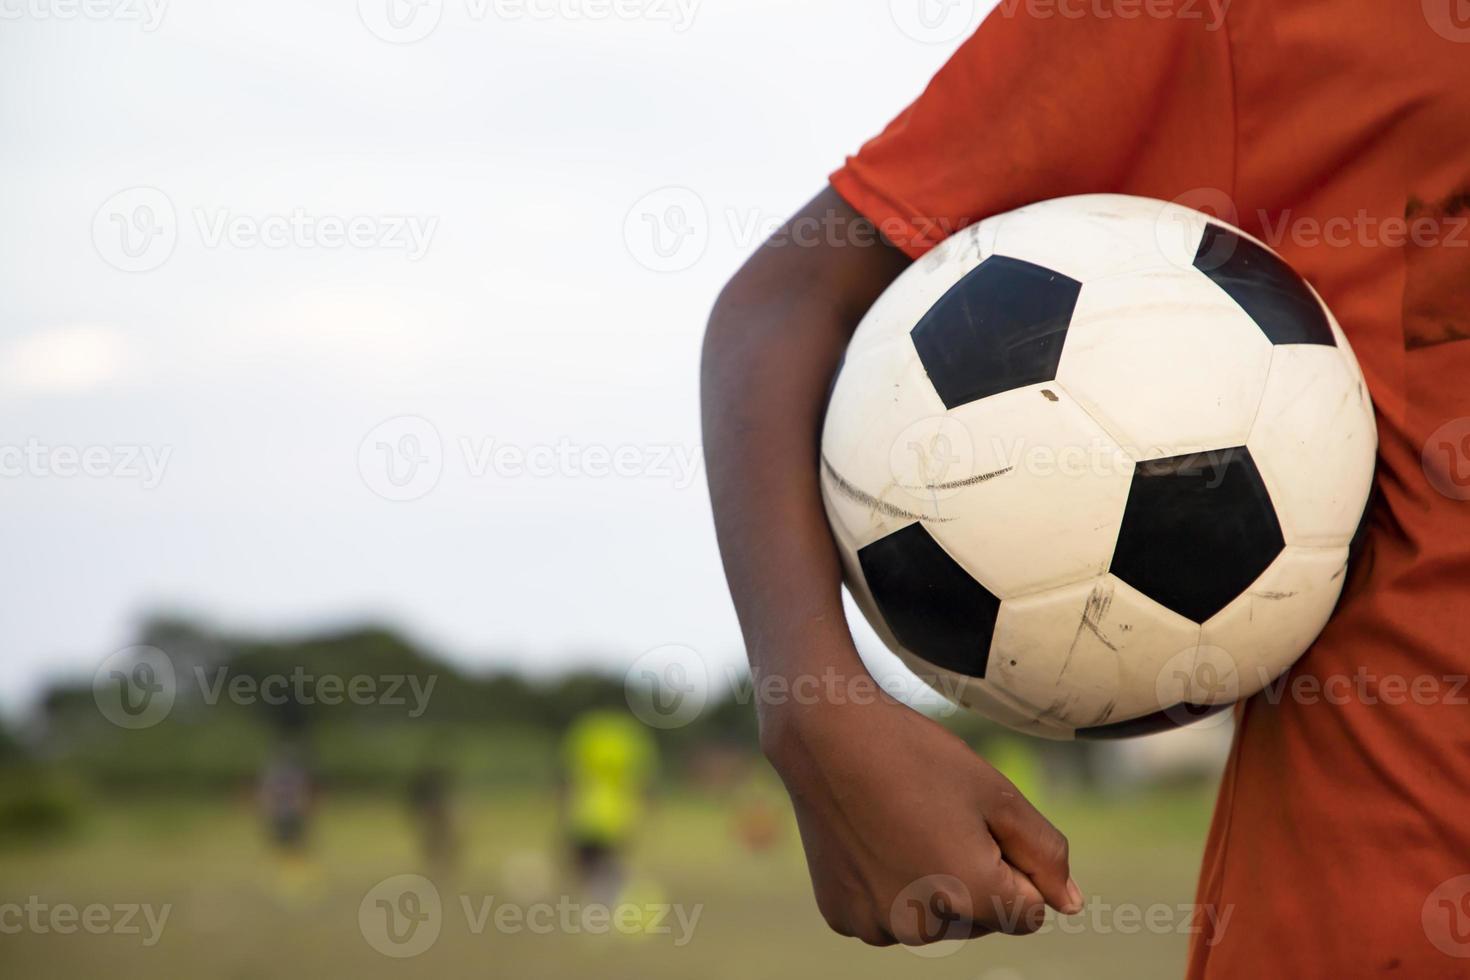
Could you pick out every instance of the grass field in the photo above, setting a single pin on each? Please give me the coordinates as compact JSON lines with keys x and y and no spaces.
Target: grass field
{"x":236,"y":912}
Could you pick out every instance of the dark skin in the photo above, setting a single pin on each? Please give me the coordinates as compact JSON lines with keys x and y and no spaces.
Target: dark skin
{"x":872,"y":821}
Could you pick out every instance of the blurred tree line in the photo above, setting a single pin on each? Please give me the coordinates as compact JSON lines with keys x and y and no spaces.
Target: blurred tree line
{"x":366,"y":711}
{"x":367,"y":707}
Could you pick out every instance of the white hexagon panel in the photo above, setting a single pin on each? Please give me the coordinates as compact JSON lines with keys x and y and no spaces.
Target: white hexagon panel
{"x":881,"y":455}
{"x":1166,"y":361}
{"x":1106,"y":234}
{"x":1085,"y":656}
{"x":1315,"y":443}
{"x":1278,"y":616}
{"x":1043,"y":471}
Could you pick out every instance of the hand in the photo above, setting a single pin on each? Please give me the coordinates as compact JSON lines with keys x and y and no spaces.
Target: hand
{"x":910,"y":837}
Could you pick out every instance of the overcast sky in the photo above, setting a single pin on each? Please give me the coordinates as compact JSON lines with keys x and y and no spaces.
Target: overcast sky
{"x":323,"y":310}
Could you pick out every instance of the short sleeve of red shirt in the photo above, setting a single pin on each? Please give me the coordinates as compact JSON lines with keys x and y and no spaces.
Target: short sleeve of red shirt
{"x":1035,"y":107}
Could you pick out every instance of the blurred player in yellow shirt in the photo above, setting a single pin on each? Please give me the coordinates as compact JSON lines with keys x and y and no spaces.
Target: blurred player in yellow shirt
{"x":609,"y":762}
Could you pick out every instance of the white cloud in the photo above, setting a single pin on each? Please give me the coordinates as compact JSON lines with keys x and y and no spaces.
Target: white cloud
{"x":63,"y":360}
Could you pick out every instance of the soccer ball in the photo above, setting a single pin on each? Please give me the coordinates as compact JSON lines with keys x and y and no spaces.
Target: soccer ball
{"x":1094,"y":466}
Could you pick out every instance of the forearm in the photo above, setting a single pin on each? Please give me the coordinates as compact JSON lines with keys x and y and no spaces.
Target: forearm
{"x":762,"y":413}
{"x":774,"y":341}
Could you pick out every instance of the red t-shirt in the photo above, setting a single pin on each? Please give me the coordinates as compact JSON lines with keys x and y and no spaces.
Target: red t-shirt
{"x":1339,"y":133}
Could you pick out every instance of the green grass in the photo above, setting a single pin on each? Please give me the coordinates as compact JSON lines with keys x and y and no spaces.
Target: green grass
{"x":235,"y":912}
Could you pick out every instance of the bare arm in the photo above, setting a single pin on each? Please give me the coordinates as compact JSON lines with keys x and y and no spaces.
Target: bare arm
{"x":886,"y":799}
{"x":774,"y":342}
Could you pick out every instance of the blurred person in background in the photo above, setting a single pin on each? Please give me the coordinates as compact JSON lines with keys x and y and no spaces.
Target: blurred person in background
{"x":287,"y":796}
{"x":431,"y":807}
{"x":758,"y":813}
{"x":609,"y":761}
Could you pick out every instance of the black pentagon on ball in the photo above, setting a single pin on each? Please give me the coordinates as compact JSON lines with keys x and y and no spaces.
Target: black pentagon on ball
{"x":1197,"y":531}
{"x":1000,"y":327}
{"x":1268,"y":289}
{"x":933,"y":606}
